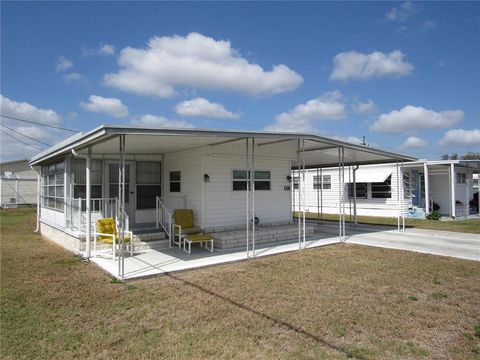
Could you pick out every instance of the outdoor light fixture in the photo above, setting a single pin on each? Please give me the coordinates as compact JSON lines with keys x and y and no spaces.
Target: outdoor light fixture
{"x":289,"y":178}
{"x":206,"y":178}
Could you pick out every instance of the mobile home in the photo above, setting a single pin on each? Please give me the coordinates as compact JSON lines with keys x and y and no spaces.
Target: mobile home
{"x":446,"y":186}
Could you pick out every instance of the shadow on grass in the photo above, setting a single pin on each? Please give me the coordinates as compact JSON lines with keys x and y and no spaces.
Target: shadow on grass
{"x":285,"y":324}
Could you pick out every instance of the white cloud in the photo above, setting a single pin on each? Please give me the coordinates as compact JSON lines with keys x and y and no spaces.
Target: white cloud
{"x":351,"y":139}
{"x":415,"y":142}
{"x":161,"y":122}
{"x":355,"y":65}
{"x":106,"y":49}
{"x":412,"y":118}
{"x":26,"y":111}
{"x":201,"y":107}
{"x":302,"y":118}
{"x":428,"y":25}
{"x":63,"y":64}
{"x":195,"y":61}
{"x":76,"y":77}
{"x":461,"y":137}
{"x":365,"y":108}
{"x":102,"y":50}
{"x":402,"y":13}
{"x":110,"y":106}
{"x":14,"y":149}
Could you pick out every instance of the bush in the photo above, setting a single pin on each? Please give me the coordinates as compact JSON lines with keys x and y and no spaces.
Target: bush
{"x":434,"y":215}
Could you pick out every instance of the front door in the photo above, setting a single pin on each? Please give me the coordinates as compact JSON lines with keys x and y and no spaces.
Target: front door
{"x":112,"y":177}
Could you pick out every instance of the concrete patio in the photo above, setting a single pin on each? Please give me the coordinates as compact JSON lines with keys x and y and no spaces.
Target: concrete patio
{"x":155,"y":262}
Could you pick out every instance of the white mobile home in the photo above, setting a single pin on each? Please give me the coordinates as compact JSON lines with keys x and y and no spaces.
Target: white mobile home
{"x":159,"y":170}
{"x":448,"y":187}
{"x":18,"y":184}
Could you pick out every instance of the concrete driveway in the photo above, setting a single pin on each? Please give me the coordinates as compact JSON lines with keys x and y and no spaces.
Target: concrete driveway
{"x":445,"y":243}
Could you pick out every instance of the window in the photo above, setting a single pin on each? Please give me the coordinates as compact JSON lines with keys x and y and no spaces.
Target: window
{"x":148,"y":184}
{"x":175,"y":179}
{"x":53,"y":177}
{"x":461,"y":178}
{"x":382,"y":190}
{"x":296,"y":181}
{"x":322,"y":182}
{"x":361,"y":190}
{"x":262,"y":180}
{"x":113,"y":182}
{"x":78,"y":179}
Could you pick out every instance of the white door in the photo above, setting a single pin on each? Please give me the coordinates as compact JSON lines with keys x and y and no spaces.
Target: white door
{"x":112,"y":188}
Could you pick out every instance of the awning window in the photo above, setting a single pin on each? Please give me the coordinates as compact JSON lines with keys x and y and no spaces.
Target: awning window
{"x":369,"y":176}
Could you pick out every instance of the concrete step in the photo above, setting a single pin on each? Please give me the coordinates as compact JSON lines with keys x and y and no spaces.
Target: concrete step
{"x":152,"y":244}
{"x":147,"y":237}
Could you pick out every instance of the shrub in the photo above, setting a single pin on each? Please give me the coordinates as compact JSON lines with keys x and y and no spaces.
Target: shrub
{"x":434,"y":215}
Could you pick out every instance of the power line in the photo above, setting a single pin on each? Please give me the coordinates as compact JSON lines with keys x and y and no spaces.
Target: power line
{"x":37,"y":123}
{"x":23,"y":142}
{"x":28,"y":137}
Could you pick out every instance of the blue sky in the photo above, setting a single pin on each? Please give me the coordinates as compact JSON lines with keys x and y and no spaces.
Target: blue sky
{"x":404,"y":75}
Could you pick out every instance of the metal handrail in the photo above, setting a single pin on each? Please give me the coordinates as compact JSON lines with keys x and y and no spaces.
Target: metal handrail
{"x":163,"y":217}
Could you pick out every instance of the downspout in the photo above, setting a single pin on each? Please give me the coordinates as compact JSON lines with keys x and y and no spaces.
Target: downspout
{"x":39,"y":188}
{"x":88,"y":229}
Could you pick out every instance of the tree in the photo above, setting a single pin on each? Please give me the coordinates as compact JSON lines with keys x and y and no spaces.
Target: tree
{"x":471,"y":156}
{"x":445,"y":157}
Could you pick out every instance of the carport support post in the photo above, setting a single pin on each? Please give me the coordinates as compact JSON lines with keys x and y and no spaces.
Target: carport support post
{"x":402,"y":198}
{"x":478,"y":187}
{"x":303,"y":188}
{"x":427,"y":193}
{"x":121,"y":215}
{"x":300,"y":184}
{"x":340,"y":182}
{"x":253,"y":196}
{"x":88,"y":205}
{"x":317,"y":184}
{"x":246,"y":195}
{"x":355,"y":168}
{"x":452,"y":189}
{"x":398,"y":197}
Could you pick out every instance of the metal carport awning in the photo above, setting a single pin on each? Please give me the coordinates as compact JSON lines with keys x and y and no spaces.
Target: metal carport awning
{"x":371,"y":175}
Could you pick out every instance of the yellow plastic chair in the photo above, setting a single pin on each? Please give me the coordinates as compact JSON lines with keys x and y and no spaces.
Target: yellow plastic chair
{"x":106,"y":233}
{"x":183,"y":224}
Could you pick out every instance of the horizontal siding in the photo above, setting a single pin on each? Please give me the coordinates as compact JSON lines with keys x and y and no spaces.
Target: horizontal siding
{"x":224,"y":207}
{"x":189,"y":163}
{"x":328,"y":200}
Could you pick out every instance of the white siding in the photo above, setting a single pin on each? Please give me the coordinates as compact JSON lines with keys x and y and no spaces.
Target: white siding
{"x":328,"y":200}
{"x":439,"y":184}
{"x":189,"y":163}
{"x":224,"y":207}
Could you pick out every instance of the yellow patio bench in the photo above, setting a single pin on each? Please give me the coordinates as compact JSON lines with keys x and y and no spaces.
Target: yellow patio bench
{"x":197,"y":239}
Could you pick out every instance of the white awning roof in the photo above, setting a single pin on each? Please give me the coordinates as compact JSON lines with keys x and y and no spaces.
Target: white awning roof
{"x":370,"y":175}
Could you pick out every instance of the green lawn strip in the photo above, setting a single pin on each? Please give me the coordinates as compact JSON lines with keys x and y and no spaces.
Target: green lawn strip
{"x":325,"y":303}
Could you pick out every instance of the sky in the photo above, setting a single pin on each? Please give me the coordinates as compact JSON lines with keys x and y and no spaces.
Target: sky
{"x":404,"y":75}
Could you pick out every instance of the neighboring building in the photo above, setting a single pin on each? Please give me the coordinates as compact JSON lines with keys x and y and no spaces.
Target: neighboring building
{"x":203,"y":170}
{"x":450,"y":185}
{"x":18,"y":184}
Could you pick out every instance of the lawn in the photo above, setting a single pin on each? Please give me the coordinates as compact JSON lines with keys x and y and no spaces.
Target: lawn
{"x":335,"y":302}
{"x":467,"y":226}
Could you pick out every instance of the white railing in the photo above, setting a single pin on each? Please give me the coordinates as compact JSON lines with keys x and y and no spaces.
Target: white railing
{"x":163,"y":217}
{"x":76,"y":211}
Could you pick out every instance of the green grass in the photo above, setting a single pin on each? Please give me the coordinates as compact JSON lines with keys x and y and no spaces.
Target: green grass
{"x":335,"y":302}
{"x":467,"y":226}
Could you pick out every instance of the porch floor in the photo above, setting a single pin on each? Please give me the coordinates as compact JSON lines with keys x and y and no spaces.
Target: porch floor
{"x":155,"y":262}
